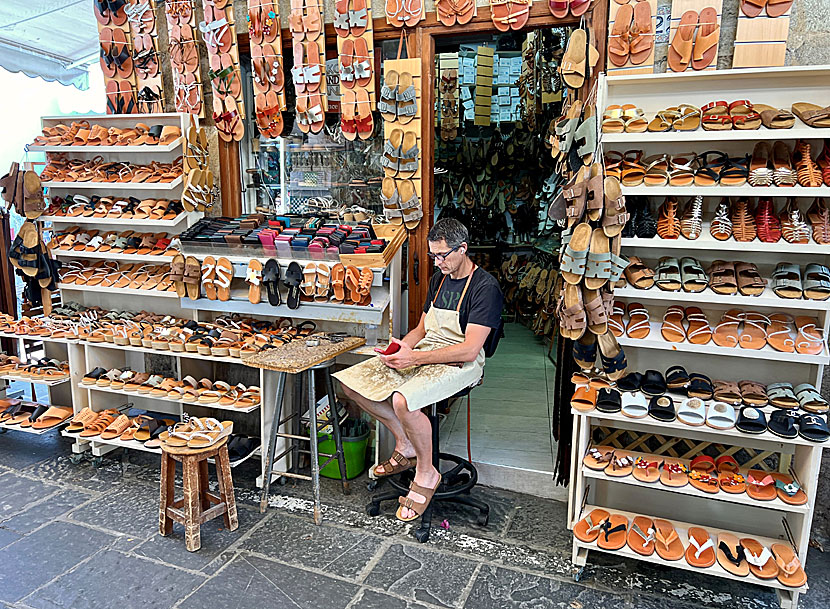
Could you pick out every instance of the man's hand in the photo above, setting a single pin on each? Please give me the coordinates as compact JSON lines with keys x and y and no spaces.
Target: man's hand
{"x":404,"y":358}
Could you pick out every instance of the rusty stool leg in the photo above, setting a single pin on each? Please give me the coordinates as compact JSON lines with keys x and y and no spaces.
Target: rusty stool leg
{"x":167,"y":493}
{"x":226,"y":494}
{"x":192,"y":503}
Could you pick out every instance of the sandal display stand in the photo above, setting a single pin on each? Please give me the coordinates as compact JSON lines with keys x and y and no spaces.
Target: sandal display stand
{"x":766,"y":521}
{"x":761,"y":41}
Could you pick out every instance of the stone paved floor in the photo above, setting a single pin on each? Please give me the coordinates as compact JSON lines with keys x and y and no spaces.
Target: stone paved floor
{"x":75,"y":537}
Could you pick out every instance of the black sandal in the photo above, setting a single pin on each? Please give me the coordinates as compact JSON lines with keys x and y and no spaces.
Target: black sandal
{"x":270,"y":279}
{"x":677,"y":377}
{"x":700,"y":386}
{"x":293,"y":279}
{"x":653,"y":383}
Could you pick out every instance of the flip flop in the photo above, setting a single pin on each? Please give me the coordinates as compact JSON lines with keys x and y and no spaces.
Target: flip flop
{"x":598,"y":457}
{"x":613,"y":532}
{"x":761,"y":562}
{"x":760,"y":485}
{"x":789,"y":491}
{"x":731,"y":555}
{"x":674,"y":473}
{"x":668,"y":546}
{"x":641,"y":536}
{"x":646,"y":470}
{"x":587,"y":530}
{"x":790,"y":571}
{"x":700,"y":552}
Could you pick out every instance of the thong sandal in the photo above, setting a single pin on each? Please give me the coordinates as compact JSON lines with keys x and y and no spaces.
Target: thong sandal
{"x":419,"y":507}
{"x":396,"y":464}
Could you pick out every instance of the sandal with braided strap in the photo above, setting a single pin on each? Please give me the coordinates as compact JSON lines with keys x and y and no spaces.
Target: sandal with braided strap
{"x":783,"y":172}
{"x":668,"y":224}
{"x":767,"y":223}
{"x":819,"y":216}
{"x":807,"y":170}
{"x":743,"y":224}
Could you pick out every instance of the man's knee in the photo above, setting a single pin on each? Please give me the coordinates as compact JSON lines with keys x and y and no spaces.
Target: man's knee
{"x":350,"y":393}
{"x":399,"y":405}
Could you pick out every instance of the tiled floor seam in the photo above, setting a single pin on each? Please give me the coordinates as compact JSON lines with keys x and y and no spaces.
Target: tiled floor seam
{"x":95,"y":527}
{"x":465,"y":593}
{"x":208,"y":578}
{"x":372,"y":562}
{"x":61,"y":516}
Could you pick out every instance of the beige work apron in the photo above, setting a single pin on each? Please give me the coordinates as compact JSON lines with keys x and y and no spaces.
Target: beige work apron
{"x":420,"y":385}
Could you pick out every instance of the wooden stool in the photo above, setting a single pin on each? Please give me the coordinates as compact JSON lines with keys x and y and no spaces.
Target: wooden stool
{"x":195,"y":507}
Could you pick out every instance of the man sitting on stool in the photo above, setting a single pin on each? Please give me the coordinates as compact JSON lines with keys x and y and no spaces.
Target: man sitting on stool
{"x":443,"y":355}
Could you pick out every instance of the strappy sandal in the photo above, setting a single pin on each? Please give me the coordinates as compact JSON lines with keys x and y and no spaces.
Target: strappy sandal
{"x":794,"y":228}
{"x":783,"y":172}
{"x":726,"y":331}
{"x":668,"y":224}
{"x":721,"y":225}
{"x":708,"y":171}
{"x":819,"y":216}
{"x":808,"y":172}
{"x":664,"y":120}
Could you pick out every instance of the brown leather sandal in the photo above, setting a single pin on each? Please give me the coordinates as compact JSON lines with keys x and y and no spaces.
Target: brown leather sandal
{"x":396,"y":464}
{"x":668,"y":224}
{"x":419,"y":507}
{"x":743,"y":223}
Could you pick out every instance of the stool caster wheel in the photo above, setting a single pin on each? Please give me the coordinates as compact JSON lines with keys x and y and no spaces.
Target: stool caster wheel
{"x":578,"y":574}
{"x":422,"y":535}
{"x":371,"y":485}
{"x":483,"y":519}
{"x":97,"y":462}
{"x":76,"y":459}
{"x":373,"y":509}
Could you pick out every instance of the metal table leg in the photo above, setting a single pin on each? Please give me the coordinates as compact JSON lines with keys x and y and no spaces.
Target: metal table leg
{"x":272,"y":443}
{"x":315,"y":462}
{"x":334,"y":416}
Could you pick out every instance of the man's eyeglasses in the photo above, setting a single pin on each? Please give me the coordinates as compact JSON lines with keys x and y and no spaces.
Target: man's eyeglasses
{"x":442,"y":257}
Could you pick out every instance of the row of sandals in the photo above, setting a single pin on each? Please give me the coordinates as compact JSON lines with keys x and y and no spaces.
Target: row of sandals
{"x":203,"y":391}
{"x":125,"y":208}
{"x":714,"y":116}
{"x":227,"y":336}
{"x":703,"y":472}
{"x":61,"y":169}
{"x":646,"y":536}
{"x":739,"y":220}
{"x":46,"y":369}
{"x":774,"y":165}
{"x":729,"y":278}
{"x":127,"y":242}
{"x":81,"y":133}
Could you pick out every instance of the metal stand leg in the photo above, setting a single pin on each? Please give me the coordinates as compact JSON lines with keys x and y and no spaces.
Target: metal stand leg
{"x":296,"y":423}
{"x":334,"y":415}
{"x":272,"y":443}
{"x":315,"y":461}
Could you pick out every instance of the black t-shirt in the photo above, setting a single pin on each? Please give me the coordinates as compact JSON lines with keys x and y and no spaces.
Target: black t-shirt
{"x":482,"y":303}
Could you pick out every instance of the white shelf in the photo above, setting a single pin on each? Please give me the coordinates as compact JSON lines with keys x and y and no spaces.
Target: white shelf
{"x":163,"y":399}
{"x":655,"y":341}
{"x":800,"y":131}
{"x":116,"y":221}
{"x":36,"y":432}
{"x":186,"y":354}
{"x":319,"y":311}
{"x":682,"y":532}
{"x":691,"y":491}
{"x":160,"y":259}
{"x":119,"y":291}
{"x":707,"y":242}
{"x":29,"y":379}
{"x":733,"y":437}
{"x":47,"y":339}
{"x":728,"y":191}
{"x":115,"y":185}
{"x":133,"y":444}
{"x":151,"y":148}
{"x":767,"y":299}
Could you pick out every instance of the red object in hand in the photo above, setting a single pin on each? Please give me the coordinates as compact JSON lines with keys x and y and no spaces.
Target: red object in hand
{"x":392,"y":348}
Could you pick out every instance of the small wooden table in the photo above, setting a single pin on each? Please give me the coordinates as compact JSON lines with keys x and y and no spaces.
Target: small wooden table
{"x":301,"y":360}
{"x":197,"y":506}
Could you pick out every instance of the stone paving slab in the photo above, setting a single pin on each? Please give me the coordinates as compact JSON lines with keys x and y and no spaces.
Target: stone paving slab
{"x":47,"y":509}
{"x":422,"y":574}
{"x":298,"y":541}
{"x":112,"y":580}
{"x":371,"y":599}
{"x":255,"y":583}
{"x":36,"y":559}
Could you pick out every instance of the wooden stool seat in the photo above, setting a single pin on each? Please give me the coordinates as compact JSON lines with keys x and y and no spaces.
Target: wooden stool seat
{"x":197,"y":506}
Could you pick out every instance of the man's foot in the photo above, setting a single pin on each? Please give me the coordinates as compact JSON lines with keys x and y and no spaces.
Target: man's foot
{"x":388,"y":467}
{"x":428,"y":479}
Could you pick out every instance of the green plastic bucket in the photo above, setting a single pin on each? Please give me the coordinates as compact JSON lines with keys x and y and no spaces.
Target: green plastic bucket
{"x":354,"y":450}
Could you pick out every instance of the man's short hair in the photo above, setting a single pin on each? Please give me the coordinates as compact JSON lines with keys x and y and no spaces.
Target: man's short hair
{"x":450,"y":230}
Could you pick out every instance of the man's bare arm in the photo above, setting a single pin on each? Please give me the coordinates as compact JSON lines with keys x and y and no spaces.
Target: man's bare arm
{"x":467,"y":351}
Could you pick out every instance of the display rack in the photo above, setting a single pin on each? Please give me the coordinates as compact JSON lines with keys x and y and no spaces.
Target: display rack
{"x":771,"y":521}
{"x":85,"y":355}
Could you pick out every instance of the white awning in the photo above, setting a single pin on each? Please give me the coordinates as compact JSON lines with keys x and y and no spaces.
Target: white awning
{"x":50,"y":39}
